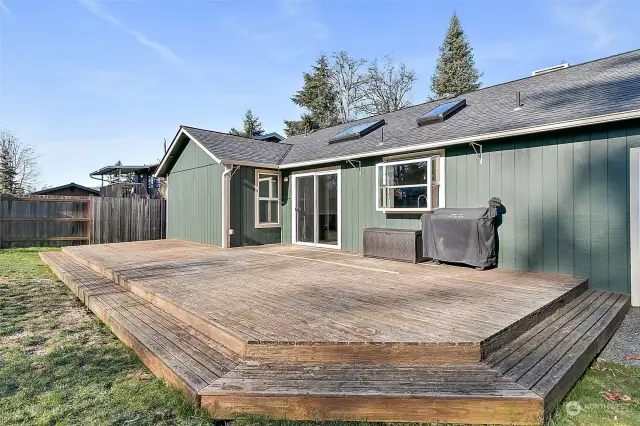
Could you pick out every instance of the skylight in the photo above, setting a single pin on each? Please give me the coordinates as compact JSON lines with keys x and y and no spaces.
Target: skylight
{"x":441,"y":112}
{"x":357,"y":131}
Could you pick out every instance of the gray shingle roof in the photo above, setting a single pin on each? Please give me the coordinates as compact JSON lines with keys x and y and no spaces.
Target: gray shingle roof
{"x":605,"y":86}
{"x":236,"y":148}
{"x":595,"y":88}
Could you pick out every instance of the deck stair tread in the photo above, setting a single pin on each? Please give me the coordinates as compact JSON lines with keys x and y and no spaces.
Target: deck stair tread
{"x":172,"y":350}
{"x":345,"y":380}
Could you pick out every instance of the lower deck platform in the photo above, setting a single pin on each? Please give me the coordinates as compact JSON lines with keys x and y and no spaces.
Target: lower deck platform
{"x":520,"y":380}
{"x":282,"y":303}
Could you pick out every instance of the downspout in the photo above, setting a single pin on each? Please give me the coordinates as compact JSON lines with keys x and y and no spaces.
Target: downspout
{"x":226,"y":180}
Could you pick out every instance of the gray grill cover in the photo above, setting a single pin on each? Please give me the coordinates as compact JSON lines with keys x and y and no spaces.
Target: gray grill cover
{"x":466,"y":236}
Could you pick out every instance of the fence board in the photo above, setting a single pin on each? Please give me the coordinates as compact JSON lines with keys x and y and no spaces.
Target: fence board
{"x":58,"y":220}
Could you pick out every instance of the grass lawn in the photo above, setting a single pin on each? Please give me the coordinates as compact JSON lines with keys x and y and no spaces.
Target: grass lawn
{"x":60,"y":365}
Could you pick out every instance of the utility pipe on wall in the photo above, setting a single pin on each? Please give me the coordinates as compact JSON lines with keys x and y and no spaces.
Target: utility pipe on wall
{"x":226,"y":180}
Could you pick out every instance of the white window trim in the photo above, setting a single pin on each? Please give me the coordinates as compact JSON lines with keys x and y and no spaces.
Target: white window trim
{"x":408,"y":159}
{"x":257,"y":198}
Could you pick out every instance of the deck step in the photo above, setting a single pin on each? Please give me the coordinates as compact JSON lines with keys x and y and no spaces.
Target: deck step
{"x":173,"y":351}
{"x":453,"y":394}
{"x":551,"y":357}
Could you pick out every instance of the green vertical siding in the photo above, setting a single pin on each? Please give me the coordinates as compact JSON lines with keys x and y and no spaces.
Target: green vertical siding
{"x":242,"y":214}
{"x":194,"y":198}
{"x":566,"y":196}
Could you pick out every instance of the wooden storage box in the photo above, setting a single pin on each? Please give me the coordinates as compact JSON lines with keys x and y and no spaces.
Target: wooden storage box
{"x":393,"y":244}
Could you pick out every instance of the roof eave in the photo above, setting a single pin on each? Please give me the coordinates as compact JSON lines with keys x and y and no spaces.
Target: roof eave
{"x":231,"y":162}
{"x":160,"y":171}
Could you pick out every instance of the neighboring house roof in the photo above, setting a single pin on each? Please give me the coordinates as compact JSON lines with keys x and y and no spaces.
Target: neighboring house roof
{"x":594,"y":92}
{"x":111,"y":170}
{"x":67,"y":186}
{"x":272,"y":137}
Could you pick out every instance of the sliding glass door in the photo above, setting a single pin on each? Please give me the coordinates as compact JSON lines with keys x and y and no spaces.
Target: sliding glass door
{"x":316,"y":209}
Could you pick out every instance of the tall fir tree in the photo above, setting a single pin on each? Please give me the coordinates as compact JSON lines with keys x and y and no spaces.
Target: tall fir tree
{"x":251,"y":126}
{"x":456,"y":70}
{"x":319,"y":99}
{"x":8,"y":173}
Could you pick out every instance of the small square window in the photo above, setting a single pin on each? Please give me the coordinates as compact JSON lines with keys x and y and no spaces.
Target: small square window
{"x":267,"y":201}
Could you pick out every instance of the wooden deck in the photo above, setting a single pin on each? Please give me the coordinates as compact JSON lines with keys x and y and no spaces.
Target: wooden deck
{"x":317,"y":334}
{"x":278,"y":303}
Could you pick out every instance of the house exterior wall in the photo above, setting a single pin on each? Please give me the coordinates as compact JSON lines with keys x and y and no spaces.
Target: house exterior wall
{"x":566,"y":196}
{"x":242,"y":213}
{"x":194,"y":198}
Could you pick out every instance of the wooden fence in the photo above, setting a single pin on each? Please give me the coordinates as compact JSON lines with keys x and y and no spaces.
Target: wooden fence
{"x":116,"y":220}
{"x":57,"y":220}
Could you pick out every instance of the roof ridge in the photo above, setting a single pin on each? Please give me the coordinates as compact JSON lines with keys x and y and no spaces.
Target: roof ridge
{"x":229,"y":134}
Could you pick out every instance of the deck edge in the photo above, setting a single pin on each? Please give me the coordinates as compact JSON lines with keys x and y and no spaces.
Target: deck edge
{"x":146,"y":354}
{"x":214,"y":331}
{"x":454,"y":409}
{"x":512,"y":331}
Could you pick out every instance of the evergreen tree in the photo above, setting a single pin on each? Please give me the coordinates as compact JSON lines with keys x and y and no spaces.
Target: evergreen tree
{"x":251,"y":126}
{"x":8,"y":174}
{"x":455,"y":71}
{"x":319,"y":99}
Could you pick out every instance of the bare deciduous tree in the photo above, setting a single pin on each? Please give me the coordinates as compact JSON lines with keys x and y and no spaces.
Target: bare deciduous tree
{"x":18,"y":165}
{"x":350,"y":83}
{"x":387,"y":87}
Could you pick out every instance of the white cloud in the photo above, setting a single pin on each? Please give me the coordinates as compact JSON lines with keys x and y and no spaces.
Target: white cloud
{"x":590,"y":19}
{"x":4,"y":7}
{"x":94,"y":7}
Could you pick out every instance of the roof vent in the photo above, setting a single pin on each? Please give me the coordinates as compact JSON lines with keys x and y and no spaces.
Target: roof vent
{"x":551,"y":69}
{"x":518,"y":102}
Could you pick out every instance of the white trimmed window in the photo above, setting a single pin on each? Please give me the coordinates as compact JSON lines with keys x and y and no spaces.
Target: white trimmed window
{"x":410,"y":185}
{"x":268,"y":188}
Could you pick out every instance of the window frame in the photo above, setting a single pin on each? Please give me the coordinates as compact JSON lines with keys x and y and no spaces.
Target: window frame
{"x":258,"y":198}
{"x":413,"y":158}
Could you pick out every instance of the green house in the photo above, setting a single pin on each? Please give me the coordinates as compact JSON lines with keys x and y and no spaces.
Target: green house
{"x":560,"y":149}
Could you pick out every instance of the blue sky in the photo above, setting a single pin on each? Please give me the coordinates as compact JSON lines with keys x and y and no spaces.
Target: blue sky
{"x":90,"y":82}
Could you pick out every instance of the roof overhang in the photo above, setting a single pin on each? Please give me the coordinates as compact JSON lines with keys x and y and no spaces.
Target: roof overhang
{"x":248,"y":164}
{"x":172,"y":153}
{"x":600,"y":119}
{"x":110,"y":170}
